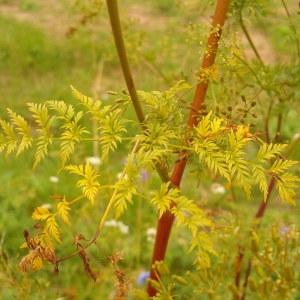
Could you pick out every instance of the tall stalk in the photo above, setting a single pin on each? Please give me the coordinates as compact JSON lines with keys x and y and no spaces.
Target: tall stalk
{"x":165,"y":223}
{"x":112,"y":6}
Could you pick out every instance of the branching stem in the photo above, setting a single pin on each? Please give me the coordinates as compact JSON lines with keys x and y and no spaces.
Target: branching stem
{"x":105,"y":215}
{"x":166,"y":221}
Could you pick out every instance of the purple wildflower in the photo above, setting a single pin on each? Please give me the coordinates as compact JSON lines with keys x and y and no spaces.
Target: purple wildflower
{"x":143,"y":277}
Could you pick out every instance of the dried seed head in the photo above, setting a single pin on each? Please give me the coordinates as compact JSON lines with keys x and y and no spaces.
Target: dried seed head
{"x":56,"y":270}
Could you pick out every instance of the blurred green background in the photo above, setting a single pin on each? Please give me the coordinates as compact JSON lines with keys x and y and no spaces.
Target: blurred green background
{"x":47,"y":45}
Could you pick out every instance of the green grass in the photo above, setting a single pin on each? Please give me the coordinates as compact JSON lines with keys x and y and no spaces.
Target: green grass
{"x":40,"y":65}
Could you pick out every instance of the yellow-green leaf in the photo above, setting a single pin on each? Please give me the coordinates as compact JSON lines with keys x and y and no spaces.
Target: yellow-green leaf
{"x":41,"y":213}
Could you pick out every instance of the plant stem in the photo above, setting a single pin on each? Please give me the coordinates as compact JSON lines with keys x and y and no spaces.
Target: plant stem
{"x":250,"y":40}
{"x":112,"y":6}
{"x":166,"y":221}
{"x":96,"y":86}
{"x":293,"y":27}
{"x":104,"y":217}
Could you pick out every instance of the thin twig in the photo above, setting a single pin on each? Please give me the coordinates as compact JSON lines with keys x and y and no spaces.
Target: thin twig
{"x":105,"y":215}
{"x":293,"y":27}
{"x":250,"y":40}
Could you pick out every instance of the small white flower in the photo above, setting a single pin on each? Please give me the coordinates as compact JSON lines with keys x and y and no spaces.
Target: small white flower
{"x":123,"y":228}
{"x":94,"y":160}
{"x":111,"y":223}
{"x":47,"y":205}
{"x":151,"y":233}
{"x":217,"y":188}
{"x":54,"y":179}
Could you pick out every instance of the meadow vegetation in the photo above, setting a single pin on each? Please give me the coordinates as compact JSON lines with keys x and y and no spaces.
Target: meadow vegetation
{"x":253,"y":97}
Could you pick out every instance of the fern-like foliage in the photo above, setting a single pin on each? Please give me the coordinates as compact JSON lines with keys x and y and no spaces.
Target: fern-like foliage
{"x":222,"y":149}
{"x":51,"y":227}
{"x":126,"y":187}
{"x":62,"y":209}
{"x":8,"y":139}
{"x":163,"y":198}
{"x":111,"y":124}
{"x":44,"y":121}
{"x":163,"y":106}
{"x":23,"y":130}
{"x":216,"y":145}
{"x":190,"y":215}
{"x":187,"y":213}
{"x":72,"y":130}
{"x":93,"y":106}
{"x":111,"y":127}
{"x":89,"y":184}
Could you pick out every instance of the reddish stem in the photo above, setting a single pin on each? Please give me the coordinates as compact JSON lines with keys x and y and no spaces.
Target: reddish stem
{"x":165,"y":223}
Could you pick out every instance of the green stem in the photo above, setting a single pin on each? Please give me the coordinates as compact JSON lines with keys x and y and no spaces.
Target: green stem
{"x":293,"y":27}
{"x":250,"y":40}
{"x":112,"y":6}
{"x":246,"y":64}
{"x":104,"y":217}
